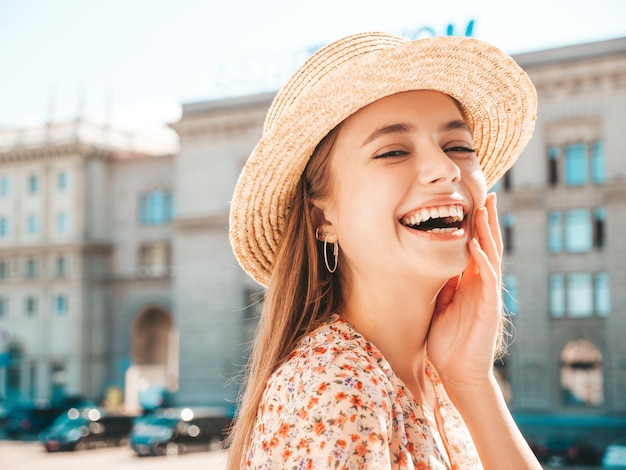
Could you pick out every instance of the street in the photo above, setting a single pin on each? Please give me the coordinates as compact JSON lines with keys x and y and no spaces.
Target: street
{"x":32,"y":456}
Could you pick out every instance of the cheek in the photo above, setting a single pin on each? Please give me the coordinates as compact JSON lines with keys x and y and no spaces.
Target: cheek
{"x":478,"y":187}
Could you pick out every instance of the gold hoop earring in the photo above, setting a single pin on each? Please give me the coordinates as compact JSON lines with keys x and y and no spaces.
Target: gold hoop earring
{"x":335,"y":254}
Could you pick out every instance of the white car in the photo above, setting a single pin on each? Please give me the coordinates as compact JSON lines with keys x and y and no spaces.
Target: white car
{"x":615,"y":454}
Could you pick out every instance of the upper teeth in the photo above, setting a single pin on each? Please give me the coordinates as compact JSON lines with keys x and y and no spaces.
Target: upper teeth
{"x":422,"y":215}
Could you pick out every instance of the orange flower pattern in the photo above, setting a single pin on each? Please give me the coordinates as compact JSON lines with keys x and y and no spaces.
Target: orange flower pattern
{"x":336,"y":403}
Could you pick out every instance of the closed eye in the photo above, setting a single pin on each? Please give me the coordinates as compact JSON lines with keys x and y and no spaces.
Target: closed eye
{"x":391,"y":154}
{"x":460,"y":149}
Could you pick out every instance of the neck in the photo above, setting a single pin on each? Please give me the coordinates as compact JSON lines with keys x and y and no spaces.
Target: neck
{"x":395,"y":316}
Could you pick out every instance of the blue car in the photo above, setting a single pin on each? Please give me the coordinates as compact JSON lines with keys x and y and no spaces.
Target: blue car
{"x":174,"y":431}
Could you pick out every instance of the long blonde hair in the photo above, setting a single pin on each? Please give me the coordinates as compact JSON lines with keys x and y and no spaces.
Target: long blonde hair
{"x":297,"y":300}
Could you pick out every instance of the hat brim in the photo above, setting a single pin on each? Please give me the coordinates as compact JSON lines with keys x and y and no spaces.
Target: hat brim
{"x":496,"y":95}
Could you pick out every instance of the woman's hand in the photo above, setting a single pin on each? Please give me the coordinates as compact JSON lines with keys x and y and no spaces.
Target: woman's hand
{"x":468,"y":313}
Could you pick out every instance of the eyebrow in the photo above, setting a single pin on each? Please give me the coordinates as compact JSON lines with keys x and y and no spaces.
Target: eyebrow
{"x":403,"y":128}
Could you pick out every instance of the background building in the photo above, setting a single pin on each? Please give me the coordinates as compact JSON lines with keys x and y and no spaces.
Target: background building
{"x":85,"y":261}
{"x":116,"y":269}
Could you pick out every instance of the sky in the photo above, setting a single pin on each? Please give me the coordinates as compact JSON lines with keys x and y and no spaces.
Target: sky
{"x":133,"y":63}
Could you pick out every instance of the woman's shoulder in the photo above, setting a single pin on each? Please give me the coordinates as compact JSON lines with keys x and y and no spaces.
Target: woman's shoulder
{"x":335,"y":344}
{"x":334,"y":356}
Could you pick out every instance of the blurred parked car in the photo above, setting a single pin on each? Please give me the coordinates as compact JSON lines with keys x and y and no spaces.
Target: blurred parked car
{"x":615,"y":454}
{"x":5,"y":408}
{"x":29,"y":419}
{"x":174,"y":431}
{"x":87,"y":428}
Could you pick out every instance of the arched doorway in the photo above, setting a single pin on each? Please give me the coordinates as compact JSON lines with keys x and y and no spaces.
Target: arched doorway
{"x":154,"y":354}
{"x":582,"y":378}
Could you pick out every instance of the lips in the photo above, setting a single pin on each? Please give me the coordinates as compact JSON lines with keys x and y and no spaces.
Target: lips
{"x":436,"y":219}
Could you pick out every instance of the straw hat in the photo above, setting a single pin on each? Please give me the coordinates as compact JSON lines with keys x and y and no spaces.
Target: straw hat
{"x":496,"y":94}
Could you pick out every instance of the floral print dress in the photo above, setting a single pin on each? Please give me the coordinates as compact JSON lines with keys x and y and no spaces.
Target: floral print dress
{"x":336,"y":404}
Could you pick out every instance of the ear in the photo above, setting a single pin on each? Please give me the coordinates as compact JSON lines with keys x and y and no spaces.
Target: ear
{"x":322,"y":226}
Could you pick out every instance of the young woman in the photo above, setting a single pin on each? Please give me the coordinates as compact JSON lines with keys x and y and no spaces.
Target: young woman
{"x":364,"y":211}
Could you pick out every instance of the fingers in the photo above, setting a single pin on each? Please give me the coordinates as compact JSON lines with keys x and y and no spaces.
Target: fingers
{"x":486,"y":248}
{"x":494,"y":223}
{"x":487,"y":231}
{"x":446,"y":294}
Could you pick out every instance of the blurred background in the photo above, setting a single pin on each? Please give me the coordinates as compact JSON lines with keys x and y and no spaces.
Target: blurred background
{"x":123,"y":128}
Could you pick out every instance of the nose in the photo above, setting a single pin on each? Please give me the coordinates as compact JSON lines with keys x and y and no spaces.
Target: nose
{"x":435,"y":167}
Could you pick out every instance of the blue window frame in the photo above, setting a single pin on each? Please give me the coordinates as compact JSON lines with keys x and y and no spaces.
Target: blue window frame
{"x":31,"y":267}
{"x":576,"y":172}
{"x":61,"y":268}
{"x":60,"y":304}
{"x":580,"y":299}
{"x":4,"y":227}
{"x":33,"y":184}
{"x":62,"y":224}
{"x":62,"y":180}
{"x":602,"y":294}
{"x":557,"y":295}
{"x":578,"y":231}
{"x":598,"y":165}
{"x":555,"y":232}
{"x":156,"y":208}
{"x":5,"y":186}
{"x":32,"y":224}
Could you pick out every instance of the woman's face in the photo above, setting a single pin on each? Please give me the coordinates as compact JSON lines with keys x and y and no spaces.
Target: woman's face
{"x":405,"y":183}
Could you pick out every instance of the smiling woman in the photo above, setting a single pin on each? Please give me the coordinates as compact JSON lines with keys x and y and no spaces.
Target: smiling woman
{"x":364,"y":210}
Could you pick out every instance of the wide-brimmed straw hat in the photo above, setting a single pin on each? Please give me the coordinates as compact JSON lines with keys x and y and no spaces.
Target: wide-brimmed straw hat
{"x":497,"y":96}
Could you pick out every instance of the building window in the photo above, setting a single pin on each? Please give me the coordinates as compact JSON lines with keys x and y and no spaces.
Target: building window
{"x":62,"y":224}
{"x":507,"y":182}
{"x":156,"y":208}
{"x":62,"y":180}
{"x":578,"y":231}
{"x":5,"y":186}
{"x":576,"y":165}
{"x":31,"y":306}
{"x":602,"y":294}
{"x":557,"y":295}
{"x":155,"y":259}
{"x":4,"y":270}
{"x":33,"y":184}
{"x":31,"y":268}
{"x":599,"y":218}
{"x":598,"y":167}
{"x":510,"y":293}
{"x":60,"y":305}
{"x":509,"y":222}
{"x":32,"y":224}
{"x":582,"y":381}
{"x":553,"y":166}
{"x":555,"y":232}
{"x":579,"y":295}
{"x":4,"y":227}
{"x":61,"y":267}
{"x":4,"y":307}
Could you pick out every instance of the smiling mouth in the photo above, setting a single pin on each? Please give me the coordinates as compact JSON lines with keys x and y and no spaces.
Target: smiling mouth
{"x":441,"y":219}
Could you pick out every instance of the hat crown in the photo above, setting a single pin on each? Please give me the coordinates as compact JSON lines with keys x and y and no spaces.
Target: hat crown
{"x":323,"y":62}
